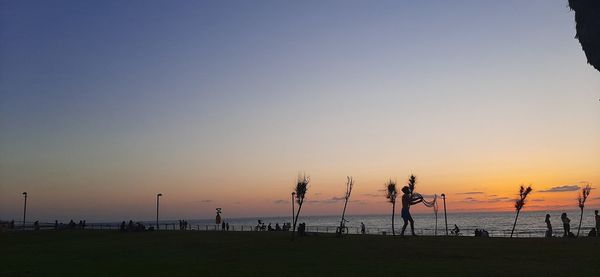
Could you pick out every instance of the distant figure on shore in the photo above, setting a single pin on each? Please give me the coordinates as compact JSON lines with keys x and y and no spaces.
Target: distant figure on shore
{"x":226,"y":226}
{"x":548,"y":226}
{"x":566,"y":224}
{"x":223,"y":226}
{"x":455,"y":231}
{"x":597,"y":223}
{"x":482,"y":233}
{"x":363,"y":229}
{"x":407,"y":201}
{"x":302,"y":229}
{"x":592,"y":232}
{"x":55,"y":224}
{"x":36,"y":225}
{"x":122,"y":227}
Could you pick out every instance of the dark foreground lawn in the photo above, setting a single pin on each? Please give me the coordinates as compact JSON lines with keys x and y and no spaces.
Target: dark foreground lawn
{"x":172,"y":253}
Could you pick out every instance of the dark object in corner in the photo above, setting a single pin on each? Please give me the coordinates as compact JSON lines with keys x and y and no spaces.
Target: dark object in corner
{"x":587,"y":19}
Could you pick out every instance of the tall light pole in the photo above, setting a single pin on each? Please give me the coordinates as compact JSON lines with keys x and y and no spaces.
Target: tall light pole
{"x":293,"y":212}
{"x":24,"y":209}
{"x":157,"y":205}
{"x":445,"y":215}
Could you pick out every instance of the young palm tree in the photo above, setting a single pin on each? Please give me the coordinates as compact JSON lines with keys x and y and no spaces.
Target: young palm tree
{"x":300,"y":190}
{"x":585,"y":192}
{"x":349,"y":185}
{"x":391,"y":193}
{"x":523,"y":192}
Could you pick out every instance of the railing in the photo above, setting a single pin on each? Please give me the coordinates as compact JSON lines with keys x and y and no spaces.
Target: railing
{"x":29,"y":226}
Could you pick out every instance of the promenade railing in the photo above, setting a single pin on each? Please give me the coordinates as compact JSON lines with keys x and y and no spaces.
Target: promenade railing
{"x":174,"y":226}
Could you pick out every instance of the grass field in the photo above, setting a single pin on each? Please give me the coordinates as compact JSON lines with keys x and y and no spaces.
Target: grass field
{"x":176,"y":253}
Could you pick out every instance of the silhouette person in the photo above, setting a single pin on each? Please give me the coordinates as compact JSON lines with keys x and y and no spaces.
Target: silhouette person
{"x":223,"y":226}
{"x":549,"y":226}
{"x":407,"y":201}
{"x":363,"y":229}
{"x":456,"y":230}
{"x":597,"y":223}
{"x":566,"y":224}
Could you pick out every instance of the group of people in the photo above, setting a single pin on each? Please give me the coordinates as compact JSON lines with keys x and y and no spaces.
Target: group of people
{"x":481,"y":233}
{"x":286,"y":226}
{"x":70,"y":226}
{"x":224,"y":226}
{"x":302,"y":229}
{"x":134,"y":227}
{"x":183,"y":224}
{"x":594,"y":232}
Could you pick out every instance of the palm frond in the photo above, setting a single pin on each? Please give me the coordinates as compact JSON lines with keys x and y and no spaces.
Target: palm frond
{"x":412,"y":181}
{"x":301,"y":188}
{"x":523,"y":193}
{"x":391,"y":191}
{"x":583,"y":196}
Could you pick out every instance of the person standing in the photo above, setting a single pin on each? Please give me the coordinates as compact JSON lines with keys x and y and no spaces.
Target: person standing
{"x":597,"y":223}
{"x":566,"y":224}
{"x":408,"y":201}
{"x":363,"y":229}
{"x":549,"y":226}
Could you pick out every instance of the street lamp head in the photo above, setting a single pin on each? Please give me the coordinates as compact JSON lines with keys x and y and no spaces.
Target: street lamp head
{"x":25,"y":193}
{"x":443,"y":195}
{"x":294,"y":193}
{"x":160,"y":194}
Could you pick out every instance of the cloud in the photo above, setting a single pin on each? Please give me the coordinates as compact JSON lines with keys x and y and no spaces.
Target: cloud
{"x":537,"y":200}
{"x":562,"y":188}
{"x":488,"y":200}
{"x":317,"y":193}
{"x":471,"y":192}
{"x":337,"y":198}
{"x":499,"y":199}
{"x":205,"y":201}
{"x":372,"y":195}
{"x":326,"y":201}
{"x":280,"y":201}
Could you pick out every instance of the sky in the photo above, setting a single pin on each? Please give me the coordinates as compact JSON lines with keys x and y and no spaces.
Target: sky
{"x":104,"y":104}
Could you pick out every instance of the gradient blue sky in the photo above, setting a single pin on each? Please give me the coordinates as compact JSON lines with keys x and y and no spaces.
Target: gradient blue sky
{"x":222,"y":103}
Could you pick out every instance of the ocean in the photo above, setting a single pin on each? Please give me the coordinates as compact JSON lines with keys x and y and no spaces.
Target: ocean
{"x":498,"y":224}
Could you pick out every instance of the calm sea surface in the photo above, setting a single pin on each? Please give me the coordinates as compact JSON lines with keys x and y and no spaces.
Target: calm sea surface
{"x":530,"y":224}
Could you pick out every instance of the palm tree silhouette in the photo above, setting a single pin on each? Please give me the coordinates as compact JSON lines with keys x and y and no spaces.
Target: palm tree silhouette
{"x":519,"y":203}
{"x":585,"y":192}
{"x":391,"y":194}
{"x":300,"y":189}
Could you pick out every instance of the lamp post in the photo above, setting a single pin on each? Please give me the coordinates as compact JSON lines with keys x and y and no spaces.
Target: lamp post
{"x":24,"y":209}
{"x":445,"y":215}
{"x":157,"y":205}
{"x":293,"y":212}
